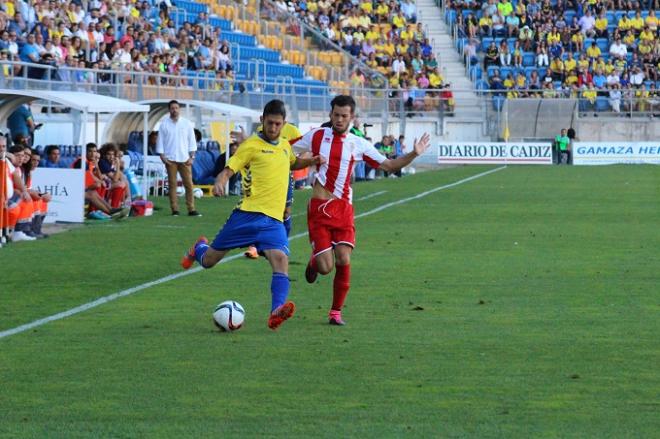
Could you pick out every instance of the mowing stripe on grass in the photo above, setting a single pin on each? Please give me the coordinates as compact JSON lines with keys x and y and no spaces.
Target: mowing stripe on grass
{"x":375,"y":194}
{"x":144,"y":286}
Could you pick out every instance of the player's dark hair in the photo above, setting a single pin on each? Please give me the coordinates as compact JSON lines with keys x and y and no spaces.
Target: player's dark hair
{"x":51,"y":148}
{"x":343,"y":101}
{"x":275,"y":108}
{"x":91,"y":145}
{"x":16,"y":148}
{"x":172,"y":102}
{"x":107,"y":147}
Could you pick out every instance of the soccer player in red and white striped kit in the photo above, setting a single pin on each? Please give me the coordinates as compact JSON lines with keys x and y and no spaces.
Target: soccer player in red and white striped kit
{"x":330,"y":211}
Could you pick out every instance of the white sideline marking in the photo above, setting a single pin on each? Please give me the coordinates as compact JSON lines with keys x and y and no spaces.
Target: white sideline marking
{"x":111,"y":297}
{"x":375,"y":194}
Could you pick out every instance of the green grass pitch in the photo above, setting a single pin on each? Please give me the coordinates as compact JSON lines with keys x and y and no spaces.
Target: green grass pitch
{"x":525,"y":303}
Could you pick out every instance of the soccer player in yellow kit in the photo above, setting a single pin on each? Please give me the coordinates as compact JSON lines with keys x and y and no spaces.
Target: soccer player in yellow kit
{"x":289,"y":132}
{"x":257,"y":219}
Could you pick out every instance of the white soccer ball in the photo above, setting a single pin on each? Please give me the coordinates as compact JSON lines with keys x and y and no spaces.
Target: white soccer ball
{"x":228,"y":316}
{"x":198,"y":193}
{"x":180,"y":190}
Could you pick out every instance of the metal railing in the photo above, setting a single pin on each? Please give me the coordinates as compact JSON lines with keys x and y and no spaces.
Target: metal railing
{"x":380,"y":105}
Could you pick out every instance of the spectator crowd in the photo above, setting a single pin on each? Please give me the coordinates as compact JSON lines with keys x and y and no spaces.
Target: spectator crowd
{"x":385,"y":36}
{"x":583,"y":49}
{"x":125,"y":35}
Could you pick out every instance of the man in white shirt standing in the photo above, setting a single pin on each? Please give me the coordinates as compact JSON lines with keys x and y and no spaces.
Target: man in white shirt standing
{"x":176,"y":146}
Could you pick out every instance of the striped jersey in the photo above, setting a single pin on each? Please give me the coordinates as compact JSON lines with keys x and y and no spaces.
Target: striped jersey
{"x":340,"y":151}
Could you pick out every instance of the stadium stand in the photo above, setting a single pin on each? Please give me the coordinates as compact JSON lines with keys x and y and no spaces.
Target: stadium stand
{"x":605,"y":53}
{"x":384,"y":36}
{"x":156,"y":37}
{"x":212,"y":45}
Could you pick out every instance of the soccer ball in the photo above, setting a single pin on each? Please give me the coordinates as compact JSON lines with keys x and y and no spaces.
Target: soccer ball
{"x":229,"y":316}
{"x":198,"y":193}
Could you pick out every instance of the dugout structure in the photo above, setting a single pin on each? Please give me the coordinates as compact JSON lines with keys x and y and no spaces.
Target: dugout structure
{"x":88,"y":104}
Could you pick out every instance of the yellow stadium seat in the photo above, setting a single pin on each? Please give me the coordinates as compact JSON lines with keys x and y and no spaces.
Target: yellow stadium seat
{"x":293,"y":57}
{"x":256,"y":28}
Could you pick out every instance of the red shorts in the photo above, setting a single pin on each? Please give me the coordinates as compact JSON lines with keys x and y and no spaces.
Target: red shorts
{"x":330,"y":223}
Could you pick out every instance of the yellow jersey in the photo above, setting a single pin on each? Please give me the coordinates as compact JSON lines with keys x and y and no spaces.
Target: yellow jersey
{"x":367,"y":7}
{"x":637,"y":23}
{"x":267,"y":181}
{"x":570,"y":65}
{"x":601,"y":23}
{"x":593,"y":51}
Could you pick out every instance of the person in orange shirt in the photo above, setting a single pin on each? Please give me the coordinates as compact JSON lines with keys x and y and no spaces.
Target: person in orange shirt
{"x":19,"y":205}
{"x":95,"y":187}
{"x":39,"y":200}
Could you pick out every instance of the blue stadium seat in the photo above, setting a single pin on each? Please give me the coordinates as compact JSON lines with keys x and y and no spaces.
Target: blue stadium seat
{"x":482,"y":85}
{"x":460,"y":44}
{"x":602,"y":104}
{"x":476,"y":73}
{"x":224,"y":25}
{"x":239,"y":38}
{"x":529,"y":59}
{"x":450,"y":16}
{"x":603,"y":44}
{"x":485,"y":42}
{"x":528,"y":71}
{"x":569,"y":14}
{"x":202,"y":168}
{"x":506,"y":71}
{"x":134,"y":142}
{"x":66,"y":162}
{"x":498,"y":102}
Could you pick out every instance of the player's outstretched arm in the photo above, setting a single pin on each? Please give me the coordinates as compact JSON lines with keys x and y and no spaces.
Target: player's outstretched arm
{"x":419,"y":147}
{"x":302,"y":162}
{"x":221,"y":182}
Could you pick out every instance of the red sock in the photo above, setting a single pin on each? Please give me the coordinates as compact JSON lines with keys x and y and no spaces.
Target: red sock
{"x":341,"y":285}
{"x":102,"y":191}
{"x":312,"y":263}
{"x":117,"y":196}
